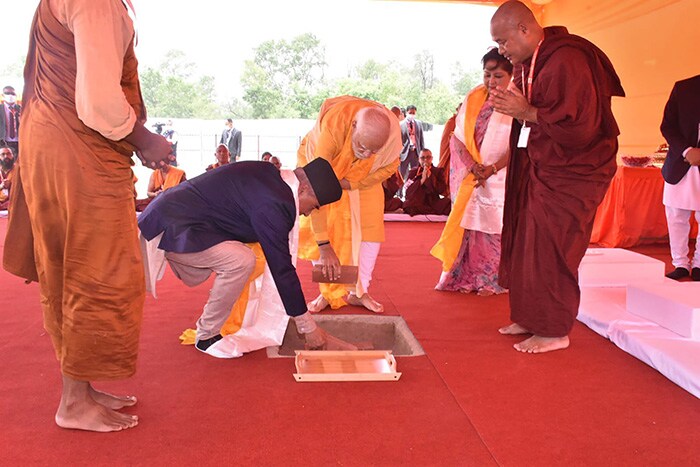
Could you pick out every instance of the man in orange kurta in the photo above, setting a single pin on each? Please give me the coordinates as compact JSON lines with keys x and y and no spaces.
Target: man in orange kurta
{"x":72,"y":226}
{"x":362,"y":141}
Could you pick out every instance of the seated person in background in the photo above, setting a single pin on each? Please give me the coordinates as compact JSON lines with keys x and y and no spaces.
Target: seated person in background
{"x":391,"y":186}
{"x":204,"y":224}
{"x":223,"y":157}
{"x":7,"y":166}
{"x":163,"y":178}
{"x":424,"y":186}
{"x":266,"y":156}
{"x":274,"y":160}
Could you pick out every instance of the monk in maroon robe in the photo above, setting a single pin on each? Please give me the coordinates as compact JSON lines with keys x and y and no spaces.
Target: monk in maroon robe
{"x":562,"y":162}
{"x":424,"y":186}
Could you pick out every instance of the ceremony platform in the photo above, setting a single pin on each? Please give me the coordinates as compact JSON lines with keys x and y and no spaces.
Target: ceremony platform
{"x":626,"y":298}
{"x":470,"y":400}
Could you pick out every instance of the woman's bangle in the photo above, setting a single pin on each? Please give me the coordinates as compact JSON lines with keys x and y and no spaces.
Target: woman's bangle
{"x":495,"y":169}
{"x":323,"y":243}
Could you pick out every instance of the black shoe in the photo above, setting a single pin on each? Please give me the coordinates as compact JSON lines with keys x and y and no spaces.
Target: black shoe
{"x":695,"y":274}
{"x":204,"y":344}
{"x":679,"y":273}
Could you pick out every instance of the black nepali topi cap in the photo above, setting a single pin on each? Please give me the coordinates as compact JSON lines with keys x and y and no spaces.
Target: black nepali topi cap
{"x":323,"y":181}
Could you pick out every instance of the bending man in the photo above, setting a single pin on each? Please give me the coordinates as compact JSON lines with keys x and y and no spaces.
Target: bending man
{"x":204,"y":224}
{"x":362,"y":141}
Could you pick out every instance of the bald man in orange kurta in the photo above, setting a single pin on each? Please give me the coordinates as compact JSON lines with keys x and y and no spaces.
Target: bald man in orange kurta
{"x":362,"y":141}
{"x":72,"y":226}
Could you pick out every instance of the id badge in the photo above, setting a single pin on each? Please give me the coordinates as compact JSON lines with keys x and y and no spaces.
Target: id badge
{"x":524,"y":137}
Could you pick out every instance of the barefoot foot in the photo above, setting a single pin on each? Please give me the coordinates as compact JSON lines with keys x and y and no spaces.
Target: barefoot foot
{"x":111,"y":401}
{"x":538,"y":344}
{"x":365,"y":301}
{"x":318,"y":304}
{"x":79,"y":411}
{"x":513,"y":329}
{"x":88,"y":415}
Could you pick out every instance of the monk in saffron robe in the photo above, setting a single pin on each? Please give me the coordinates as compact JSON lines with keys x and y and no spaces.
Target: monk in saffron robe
{"x":560,"y":168}
{"x":164,"y":178}
{"x":72,"y":226}
{"x":223,"y":157}
{"x":362,"y":141}
{"x":7,"y":172}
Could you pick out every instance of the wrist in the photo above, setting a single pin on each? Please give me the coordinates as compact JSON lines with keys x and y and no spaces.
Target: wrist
{"x":305,"y":323}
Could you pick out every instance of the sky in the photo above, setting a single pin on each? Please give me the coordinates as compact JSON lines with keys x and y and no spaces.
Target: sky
{"x":219,"y":35}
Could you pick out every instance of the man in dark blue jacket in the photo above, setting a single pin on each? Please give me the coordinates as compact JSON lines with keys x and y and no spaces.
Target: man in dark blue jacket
{"x":205,"y":222}
{"x":680,"y":127}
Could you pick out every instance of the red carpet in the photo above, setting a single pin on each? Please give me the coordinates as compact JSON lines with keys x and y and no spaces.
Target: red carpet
{"x":472,"y":400}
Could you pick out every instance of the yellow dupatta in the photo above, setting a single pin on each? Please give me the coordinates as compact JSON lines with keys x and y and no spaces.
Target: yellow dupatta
{"x":447,"y":247}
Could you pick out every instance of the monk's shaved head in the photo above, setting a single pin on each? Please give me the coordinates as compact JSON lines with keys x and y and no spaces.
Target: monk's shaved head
{"x":371,"y":131}
{"x":516,"y":31}
{"x":514,"y":12}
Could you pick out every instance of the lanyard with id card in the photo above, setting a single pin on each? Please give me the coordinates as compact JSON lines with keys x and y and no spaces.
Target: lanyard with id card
{"x":525,"y":130}
{"x":524,"y":136}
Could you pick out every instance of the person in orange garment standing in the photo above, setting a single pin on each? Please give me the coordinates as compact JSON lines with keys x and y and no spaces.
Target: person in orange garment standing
{"x":564,"y":147}
{"x":362,"y":141}
{"x":72,"y":226}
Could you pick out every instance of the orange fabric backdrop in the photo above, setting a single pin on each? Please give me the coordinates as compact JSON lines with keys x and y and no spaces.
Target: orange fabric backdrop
{"x":632,"y":212}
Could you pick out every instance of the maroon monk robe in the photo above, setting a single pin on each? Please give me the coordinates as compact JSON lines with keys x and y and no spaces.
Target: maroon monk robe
{"x":425,"y":198}
{"x":390,"y":186}
{"x":555,"y":185}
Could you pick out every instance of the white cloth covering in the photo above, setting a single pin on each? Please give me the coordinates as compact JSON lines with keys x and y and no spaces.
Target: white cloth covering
{"x":604,"y":311}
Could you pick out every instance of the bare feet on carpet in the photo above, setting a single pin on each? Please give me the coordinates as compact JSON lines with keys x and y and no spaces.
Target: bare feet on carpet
{"x":513,"y":329}
{"x":111,"y":401}
{"x":79,"y":411}
{"x":318,"y":304}
{"x":365,"y":301}
{"x":538,"y":344}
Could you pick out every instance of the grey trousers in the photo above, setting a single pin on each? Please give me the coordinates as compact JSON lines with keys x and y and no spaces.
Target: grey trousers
{"x":232,"y":262}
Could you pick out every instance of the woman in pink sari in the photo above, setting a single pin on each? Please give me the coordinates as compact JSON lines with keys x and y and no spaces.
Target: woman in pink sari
{"x":470,"y":244}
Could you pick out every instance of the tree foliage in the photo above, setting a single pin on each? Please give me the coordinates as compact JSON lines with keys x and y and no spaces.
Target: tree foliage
{"x":284,"y":77}
{"x":174,"y":90}
{"x":287,"y":79}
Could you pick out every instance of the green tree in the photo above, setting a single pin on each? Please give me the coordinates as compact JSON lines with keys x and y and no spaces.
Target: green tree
{"x":424,"y":69}
{"x":284,"y":77}
{"x":464,"y":81}
{"x":173,"y":89}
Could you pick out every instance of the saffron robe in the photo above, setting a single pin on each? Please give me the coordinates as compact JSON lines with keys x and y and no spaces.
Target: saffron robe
{"x":555,"y":185}
{"x":72,"y":225}
{"x":359,"y":214}
{"x":173,"y":178}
